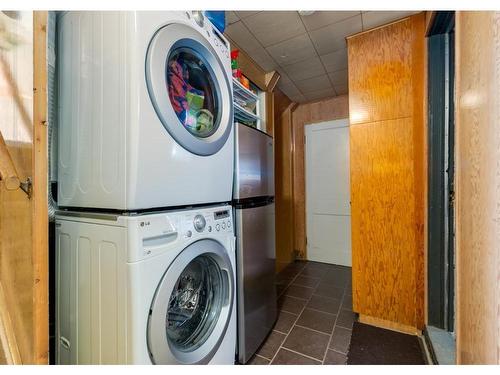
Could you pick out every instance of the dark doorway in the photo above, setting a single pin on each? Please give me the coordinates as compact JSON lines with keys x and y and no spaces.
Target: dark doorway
{"x":441,"y":193}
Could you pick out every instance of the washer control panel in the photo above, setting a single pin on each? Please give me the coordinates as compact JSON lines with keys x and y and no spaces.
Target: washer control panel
{"x":207,"y":221}
{"x":199,"y":223}
{"x":159,"y":232}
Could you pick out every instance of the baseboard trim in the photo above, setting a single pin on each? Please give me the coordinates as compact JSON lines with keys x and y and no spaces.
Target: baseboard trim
{"x":429,"y":348}
{"x":386,"y":324}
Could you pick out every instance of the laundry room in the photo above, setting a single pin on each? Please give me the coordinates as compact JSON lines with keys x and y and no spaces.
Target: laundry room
{"x":253,"y":187}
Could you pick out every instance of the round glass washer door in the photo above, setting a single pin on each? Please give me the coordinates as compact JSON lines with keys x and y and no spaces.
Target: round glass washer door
{"x":189,"y":89}
{"x":192,"y":306}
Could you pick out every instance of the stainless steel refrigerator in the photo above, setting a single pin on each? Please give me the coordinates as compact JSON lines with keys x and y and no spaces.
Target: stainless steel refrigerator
{"x":253,"y":202}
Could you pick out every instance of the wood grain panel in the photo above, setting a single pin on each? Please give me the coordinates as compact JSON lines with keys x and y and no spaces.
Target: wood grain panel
{"x":383,"y":218}
{"x":388,"y":163}
{"x":306,"y":114}
{"x":380,"y":73}
{"x":16,"y":77}
{"x":40,"y":216}
{"x":284,"y":188}
{"x":23,"y":221}
{"x":386,"y":324}
{"x":418,"y":59}
{"x":478,"y":187}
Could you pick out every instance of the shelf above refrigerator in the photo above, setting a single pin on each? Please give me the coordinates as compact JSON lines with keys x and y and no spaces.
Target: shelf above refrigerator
{"x":243,"y":93}
{"x":242,"y":114}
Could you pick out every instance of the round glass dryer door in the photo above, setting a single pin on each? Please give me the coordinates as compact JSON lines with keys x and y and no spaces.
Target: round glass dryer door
{"x":189,"y":89}
{"x":192,"y":306}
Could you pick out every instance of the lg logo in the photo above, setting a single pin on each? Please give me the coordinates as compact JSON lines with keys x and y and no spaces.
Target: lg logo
{"x":145,"y":223}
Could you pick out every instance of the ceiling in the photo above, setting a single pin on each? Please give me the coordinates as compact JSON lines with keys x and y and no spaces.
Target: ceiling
{"x":309,"y":52}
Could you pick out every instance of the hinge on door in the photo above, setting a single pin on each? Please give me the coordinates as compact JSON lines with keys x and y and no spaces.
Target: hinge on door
{"x":304,"y":139}
{"x":306,"y":240}
{"x":27,"y":187}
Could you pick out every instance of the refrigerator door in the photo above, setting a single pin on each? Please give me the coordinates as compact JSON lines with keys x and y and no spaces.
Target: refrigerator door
{"x":254,"y":164}
{"x":257,"y":305}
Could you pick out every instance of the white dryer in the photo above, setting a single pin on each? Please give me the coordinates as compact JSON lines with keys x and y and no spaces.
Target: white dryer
{"x":146,"y":289}
{"x":145,"y":110}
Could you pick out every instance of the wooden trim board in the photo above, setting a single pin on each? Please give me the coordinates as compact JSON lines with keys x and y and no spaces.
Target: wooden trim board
{"x":40,"y":191}
{"x":8,"y":340}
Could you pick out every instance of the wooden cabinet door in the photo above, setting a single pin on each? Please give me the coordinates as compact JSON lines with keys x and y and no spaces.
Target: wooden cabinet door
{"x":386,"y":101}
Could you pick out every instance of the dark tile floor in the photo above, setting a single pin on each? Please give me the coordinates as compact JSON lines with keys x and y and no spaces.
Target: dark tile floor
{"x":315,"y":317}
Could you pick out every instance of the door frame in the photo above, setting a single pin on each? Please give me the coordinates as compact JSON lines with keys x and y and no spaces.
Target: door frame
{"x":440,"y":209}
{"x":308,"y":129}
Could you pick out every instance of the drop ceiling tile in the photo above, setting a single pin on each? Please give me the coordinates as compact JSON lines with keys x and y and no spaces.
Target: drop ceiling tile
{"x":240,"y":34}
{"x":262,"y":58}
{"x":323,"y":18}
{"x":321,"y":94}
{"x":332,"y":38}
{"x":289,"y":89}
{"x":339,"y":78}
{"x":273,"y":27}
{"x":308,"y":68}
{"x":246,"y":13}
{"x":292,"y":50}
{"x":336,"y":60}
{"x":378,"y":18}
{"x":341,"y":89}
{"x":231,"y":17}
{"x":313,"y":84}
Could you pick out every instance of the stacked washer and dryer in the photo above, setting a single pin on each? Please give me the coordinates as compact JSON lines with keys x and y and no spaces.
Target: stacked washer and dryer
{"x":145,"y":247}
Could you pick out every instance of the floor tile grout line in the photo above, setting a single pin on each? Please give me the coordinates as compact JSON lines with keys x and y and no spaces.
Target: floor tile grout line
{"x":321,"y":311}
{"x":302,"y":310}
{"x":312,"y":329}
{"x":334,"y":326}
{"x":334,"y":350}
{"x":291,"y":329}
{"x":302,"y":354}
{"x":261,"y":356}
{"x":298,"y":316}
{"x":292,"y":280}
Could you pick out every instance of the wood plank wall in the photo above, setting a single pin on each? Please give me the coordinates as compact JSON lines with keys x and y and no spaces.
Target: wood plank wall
{"x":306,"y":114}
{"x":478,"y":187}
{"x":386,"y":96}
{"x":23,"y":229}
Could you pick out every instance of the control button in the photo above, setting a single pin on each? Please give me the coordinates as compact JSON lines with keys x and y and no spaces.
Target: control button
{"x":223,"y":225}
{"x":217,"y":227}
{"x":199,"y":18}
{"x":209,"y":228}
{"x":189,"y":233}
{"x":229,"y":224}
{"x":199,"y":223}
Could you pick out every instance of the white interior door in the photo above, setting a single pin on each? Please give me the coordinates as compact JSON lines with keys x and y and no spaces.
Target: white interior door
{"x":328,"y":211}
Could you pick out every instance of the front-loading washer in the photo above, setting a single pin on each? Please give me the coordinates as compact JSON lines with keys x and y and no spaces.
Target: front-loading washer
{"x":146,"y":289}
{"x":145,"y":110}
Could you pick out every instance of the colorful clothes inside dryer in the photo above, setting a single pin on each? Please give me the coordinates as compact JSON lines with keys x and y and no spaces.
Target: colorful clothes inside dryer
{"x":191,"y":104}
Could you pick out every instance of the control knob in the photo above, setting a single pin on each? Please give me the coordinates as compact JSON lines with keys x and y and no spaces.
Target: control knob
{"x":199,"y":223}
{"x":199,"y":17}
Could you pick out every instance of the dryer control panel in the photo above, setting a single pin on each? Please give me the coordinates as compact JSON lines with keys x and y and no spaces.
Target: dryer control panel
{"x":216,"y":38}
